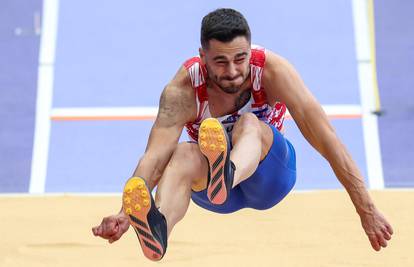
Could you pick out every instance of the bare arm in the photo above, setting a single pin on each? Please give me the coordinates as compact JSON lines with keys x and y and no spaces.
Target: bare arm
{"x":315,"y":126}
{"x":284,"y":84}
{"x":177,"y":107}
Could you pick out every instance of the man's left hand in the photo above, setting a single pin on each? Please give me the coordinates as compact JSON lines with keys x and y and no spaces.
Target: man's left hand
{"x":377,"y":228}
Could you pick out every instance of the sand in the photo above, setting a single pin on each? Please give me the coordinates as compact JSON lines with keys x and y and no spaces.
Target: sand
{"x":306,"y":229}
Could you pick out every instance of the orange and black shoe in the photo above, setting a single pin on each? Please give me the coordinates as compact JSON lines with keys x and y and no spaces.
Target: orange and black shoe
{"x":215,"y":145}
{"x":149,"y":224}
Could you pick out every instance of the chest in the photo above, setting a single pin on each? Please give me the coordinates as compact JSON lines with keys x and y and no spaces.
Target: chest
{"x":220,"y":105}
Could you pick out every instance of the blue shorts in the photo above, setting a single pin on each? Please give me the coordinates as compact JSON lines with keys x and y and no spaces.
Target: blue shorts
{"x":273,"y":179}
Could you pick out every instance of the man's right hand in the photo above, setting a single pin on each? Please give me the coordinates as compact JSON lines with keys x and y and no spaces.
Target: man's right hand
{"x":112,"y":227}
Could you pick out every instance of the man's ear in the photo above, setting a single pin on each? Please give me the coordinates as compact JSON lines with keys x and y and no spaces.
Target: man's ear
{"x":202,"y":55}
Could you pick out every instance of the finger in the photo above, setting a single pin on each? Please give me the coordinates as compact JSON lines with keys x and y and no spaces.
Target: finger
{"x":108,"y":227}
{"x":381,"y":240}
{"x":115,"y":237}
{"x":103,"y":225}
{"x":389,"y":228}
{"x":386,"y":234}
{"x":97,"y":230}
{"x":100,"y":231}
{"x":94,"y":230}
{"x":374,"y":242}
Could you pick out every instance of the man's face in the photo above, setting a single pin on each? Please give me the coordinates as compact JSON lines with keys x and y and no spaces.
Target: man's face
{"x":227,"y":63}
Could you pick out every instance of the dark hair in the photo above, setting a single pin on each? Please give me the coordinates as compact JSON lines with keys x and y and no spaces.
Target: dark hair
{"x":223,"y":24}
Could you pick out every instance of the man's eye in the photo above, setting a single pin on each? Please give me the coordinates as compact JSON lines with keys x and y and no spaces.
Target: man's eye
{"x":239,"y":60}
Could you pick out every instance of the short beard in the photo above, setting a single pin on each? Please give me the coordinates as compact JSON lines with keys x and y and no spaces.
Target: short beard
{"x":229,"y":90}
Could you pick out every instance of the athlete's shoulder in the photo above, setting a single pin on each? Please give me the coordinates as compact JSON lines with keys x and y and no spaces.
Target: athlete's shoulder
{"x":181,"y":79}
{"x":196,"y":71}
{"x":275,"y":65}
{"x":273,"y":59}
{"x":280,"y":78}
{"x":180,"y":93}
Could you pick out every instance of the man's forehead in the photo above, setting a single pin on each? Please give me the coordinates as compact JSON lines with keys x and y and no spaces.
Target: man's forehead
{"x":235,"y":48}
{"x":225,"y":56}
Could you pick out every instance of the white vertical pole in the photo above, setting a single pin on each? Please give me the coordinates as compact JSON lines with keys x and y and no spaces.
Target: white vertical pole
{"x":365,"y":48}
{"x":44,"y":96}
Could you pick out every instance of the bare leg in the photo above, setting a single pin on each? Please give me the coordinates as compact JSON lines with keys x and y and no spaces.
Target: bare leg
{"x":251,"y":140}
{"x":187,"y":167}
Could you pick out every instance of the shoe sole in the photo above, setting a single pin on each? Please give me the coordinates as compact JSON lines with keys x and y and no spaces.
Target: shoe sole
{"x":137,"y":204}
{"x":213,"y":143}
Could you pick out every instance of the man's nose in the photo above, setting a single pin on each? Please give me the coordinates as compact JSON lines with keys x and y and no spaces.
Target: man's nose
{"x":232,"y":70}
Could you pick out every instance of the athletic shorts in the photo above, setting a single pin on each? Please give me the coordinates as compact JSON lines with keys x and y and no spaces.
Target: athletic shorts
{"x":273,"y":179}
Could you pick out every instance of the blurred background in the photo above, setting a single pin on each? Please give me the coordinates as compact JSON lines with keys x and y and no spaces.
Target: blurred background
{"x":80,"y":82}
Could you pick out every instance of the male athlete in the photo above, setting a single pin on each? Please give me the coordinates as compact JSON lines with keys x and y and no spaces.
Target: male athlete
{"x":232,"y":100}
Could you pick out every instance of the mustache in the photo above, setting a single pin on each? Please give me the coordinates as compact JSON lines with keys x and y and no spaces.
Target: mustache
{"x":229,"y":78}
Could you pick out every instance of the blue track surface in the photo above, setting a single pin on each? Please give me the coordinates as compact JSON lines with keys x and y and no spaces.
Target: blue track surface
{"x":395,"y":63}
{"x":19,"y":54}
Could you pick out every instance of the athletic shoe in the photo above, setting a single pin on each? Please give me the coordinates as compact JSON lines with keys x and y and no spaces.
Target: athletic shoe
{"x":215,"y":146}
{"x":149,"y":224}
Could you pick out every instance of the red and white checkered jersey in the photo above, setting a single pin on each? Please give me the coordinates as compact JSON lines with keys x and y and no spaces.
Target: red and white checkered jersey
{"x":257,"y":104}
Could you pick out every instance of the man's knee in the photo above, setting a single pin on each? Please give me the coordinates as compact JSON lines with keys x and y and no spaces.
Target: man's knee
{"x":187,"y":162}
{"x":247,"y":123}
{"x":186,"y":151}
{"x":187,"y":156}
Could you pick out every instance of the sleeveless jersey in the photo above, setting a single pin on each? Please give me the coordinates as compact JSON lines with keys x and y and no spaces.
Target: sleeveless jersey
{"x":257,"y":104}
